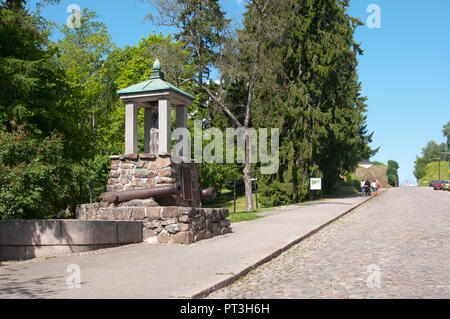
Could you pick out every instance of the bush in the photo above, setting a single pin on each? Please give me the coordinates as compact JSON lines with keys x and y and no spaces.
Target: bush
{"x":392,"y":173}
{"x":218,"y":175}
{"x":356,"y":183}
{"x":274,"y":193}
{"x":34,"y":178}
{"x":420,"y":167}
{"x":93,"y":176}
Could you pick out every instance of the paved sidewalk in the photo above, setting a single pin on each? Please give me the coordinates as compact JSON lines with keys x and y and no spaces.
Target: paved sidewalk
{"x":173,"y":271}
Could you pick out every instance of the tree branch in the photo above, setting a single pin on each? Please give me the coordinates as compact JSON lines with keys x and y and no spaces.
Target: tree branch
{"x":222,"y":105}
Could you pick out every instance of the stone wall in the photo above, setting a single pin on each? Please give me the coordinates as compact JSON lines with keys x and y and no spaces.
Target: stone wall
{"x":25,"y":239}
{"x":163,"y":224}
{"x":134,"y":171}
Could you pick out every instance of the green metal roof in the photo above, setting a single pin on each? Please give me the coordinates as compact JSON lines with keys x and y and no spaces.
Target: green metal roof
{"x":154,"y":83}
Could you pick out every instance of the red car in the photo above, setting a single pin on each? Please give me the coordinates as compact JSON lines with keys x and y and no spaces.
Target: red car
{"x":439,"y":185}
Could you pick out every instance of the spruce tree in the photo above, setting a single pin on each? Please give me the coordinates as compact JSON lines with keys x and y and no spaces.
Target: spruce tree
{"x":313,"y":94}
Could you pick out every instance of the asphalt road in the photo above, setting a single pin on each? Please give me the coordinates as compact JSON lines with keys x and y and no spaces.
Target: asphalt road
{"x":394,"y":246}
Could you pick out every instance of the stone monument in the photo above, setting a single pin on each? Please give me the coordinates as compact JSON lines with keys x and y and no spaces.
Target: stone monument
{"x":173,"y":212}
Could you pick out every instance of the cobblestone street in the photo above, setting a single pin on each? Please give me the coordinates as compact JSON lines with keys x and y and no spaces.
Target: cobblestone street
{"x":394,"y":246}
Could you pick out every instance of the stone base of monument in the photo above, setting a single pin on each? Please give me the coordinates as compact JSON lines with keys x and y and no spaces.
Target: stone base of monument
{"x":165,"y":219}
{"x":162,"y":224}
{"x":136,"y":171}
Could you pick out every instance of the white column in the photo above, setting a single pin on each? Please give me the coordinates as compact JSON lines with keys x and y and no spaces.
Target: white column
{"x":164,"y":126}
{"x":131,"y":128}
{"x":182,"y":115}
{"x":182,"y":148}
{"x":147,"y":128}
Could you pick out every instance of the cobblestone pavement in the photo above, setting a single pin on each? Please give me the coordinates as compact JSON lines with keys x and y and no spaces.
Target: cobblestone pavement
{"x":394,"y":246}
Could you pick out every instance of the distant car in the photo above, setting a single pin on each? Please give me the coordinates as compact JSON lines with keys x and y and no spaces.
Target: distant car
{"x":433,"y":182}
{"x":438,"y":185}
{"x":446,"y":185}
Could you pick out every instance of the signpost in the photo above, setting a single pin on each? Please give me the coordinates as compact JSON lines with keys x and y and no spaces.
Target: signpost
{"x":315,"y":184}
{"x":256,"y":191}
{"x":448,"y":154}
{"x":234,"y":195}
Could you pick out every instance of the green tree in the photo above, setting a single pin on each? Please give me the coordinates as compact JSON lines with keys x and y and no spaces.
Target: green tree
{"x":393,"y":164}
{"x":204,"y":30}
{"x":312,"y":93}
{"x":392,"y":173}
{"x":433,"y":151}
{"x":41,"y":136}
{"x":34,"y":90}
{"x":84,"y":50}
{"x":420,"y":167}
{"x":201,"y":25}
{"x":35,"y":178}
{"x":446,"y":132}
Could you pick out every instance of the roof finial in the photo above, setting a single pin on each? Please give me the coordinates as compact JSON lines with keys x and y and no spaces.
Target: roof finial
{"x":156,"y":72}
{"x":156,"y":65}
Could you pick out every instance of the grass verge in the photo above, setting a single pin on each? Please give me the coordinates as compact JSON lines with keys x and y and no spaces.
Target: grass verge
{"x":226,"y":200}
{"x":432,"y":172}
{"x":243,"y":216}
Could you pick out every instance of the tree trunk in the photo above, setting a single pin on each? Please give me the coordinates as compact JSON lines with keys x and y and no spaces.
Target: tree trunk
{"x":248,"y":175}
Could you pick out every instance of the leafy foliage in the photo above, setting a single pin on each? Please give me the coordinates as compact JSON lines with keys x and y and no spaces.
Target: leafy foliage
{"x":35,"y":178}
{"x":311,"y":92}
{"x":433,"y":152}
{"x":392,"y":173}
{"x":434,"y":171}
{"x":420,"y":167}
{"x":446,"y":132}
{"x":34,"y":90}
{"x":292,"y":66}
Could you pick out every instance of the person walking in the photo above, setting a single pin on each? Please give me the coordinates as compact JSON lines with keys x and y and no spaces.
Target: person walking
{"x":374,"y":187}
{"x":378,"y":187}
{"x":363,"y":182}
{"x":367,"y":187}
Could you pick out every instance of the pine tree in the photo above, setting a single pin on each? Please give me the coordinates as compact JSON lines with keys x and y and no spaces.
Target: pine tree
{"x":312,"y":93}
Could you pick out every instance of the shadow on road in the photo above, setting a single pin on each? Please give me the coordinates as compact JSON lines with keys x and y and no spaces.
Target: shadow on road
{"x":37,"y":288}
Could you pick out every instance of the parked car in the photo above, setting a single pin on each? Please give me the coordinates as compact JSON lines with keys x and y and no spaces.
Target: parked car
{"x":433,"y":182}
{"x":438,"y":185}
{"x":446,"y":185}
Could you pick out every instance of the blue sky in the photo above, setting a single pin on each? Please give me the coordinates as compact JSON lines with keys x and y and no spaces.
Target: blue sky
{"x":405,"y":69}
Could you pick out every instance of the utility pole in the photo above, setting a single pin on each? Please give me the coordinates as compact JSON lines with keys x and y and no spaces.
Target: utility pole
{"x":439,"y":169}
{"x":234,"y":195}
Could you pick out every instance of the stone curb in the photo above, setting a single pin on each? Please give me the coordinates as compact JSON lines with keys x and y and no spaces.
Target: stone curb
{"x":231,"y":278}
